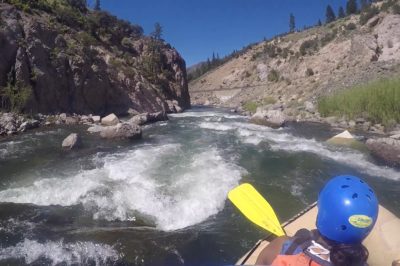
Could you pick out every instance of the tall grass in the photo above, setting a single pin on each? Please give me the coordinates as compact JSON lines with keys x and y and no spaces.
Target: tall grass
{"x":378,"y":101}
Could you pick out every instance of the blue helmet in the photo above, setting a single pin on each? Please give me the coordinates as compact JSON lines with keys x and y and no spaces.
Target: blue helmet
{"x":347,"y":210}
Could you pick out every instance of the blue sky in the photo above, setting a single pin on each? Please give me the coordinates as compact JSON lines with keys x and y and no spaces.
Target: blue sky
{"x":197,"y":28}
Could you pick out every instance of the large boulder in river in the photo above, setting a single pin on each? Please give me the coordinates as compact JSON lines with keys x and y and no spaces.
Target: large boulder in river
{"x":346,"y":139}
{"x":122,"y":131}
{"x":73,"y":141}
{"x":110,"y":120}
{"x":271,"y":118}
{"x":387,"y":149}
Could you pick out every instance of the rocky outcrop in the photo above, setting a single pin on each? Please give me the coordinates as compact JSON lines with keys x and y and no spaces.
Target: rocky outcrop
{"x":121,"y":131}
{"x":386,"y":149}
{"x":73,"y":141}
{"x":271,"y":118}
{"x":63,"y":64}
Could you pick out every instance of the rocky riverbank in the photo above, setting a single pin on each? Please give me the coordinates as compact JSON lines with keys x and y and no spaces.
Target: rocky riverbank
{"x":109,"y":127}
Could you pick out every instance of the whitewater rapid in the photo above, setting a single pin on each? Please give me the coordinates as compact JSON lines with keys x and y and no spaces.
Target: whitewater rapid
{"x":139,"y":181}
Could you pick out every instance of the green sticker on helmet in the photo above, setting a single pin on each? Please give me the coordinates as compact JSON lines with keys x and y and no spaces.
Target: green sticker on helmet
{"x":360,"y":221}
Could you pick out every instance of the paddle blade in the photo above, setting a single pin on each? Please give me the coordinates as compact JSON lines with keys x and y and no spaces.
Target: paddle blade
{"x":247,"y":199}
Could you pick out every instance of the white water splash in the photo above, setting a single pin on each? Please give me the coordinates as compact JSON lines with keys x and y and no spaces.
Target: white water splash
{"x":280,"y":140}
{"x":176,"y":196}
{"x":59,"y":252}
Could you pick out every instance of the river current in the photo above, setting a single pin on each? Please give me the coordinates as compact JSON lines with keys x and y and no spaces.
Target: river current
{"x":163,"y":200}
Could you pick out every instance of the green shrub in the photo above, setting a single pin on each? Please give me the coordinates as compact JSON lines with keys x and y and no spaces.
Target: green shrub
{"x":309,"y":72}
{"x":351,"y":26}
{"x":15,"y":97}
{"x":126,"y":42}
{"x":368,"y":13}
{"x":378,"y":101}
{"x":69,"y":16}
{"x":270,"y":49}
{"x":250,"y":106}
{"x":327,"y":38}
{"x":396,"y":9}
{"x":85,"y":38}
{"x":21,"y":5}
{"x":273,"y":76}
{"x":387,"y":5}
{"x":309,"y":46}
{"x":269,"y":100}
{"x":285,"y":53}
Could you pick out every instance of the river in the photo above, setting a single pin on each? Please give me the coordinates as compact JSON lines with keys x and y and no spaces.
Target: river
{"x":163,"y":200}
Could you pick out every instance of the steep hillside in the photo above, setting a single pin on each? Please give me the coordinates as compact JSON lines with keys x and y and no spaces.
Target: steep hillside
{"x":58,"y":56}
{"x":294,"y":70}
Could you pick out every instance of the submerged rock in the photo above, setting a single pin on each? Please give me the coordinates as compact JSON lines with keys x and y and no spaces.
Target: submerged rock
{"x":387,"y":149}
{"x":346,"y":139}
{"x":122,"y":131}
{"x":73,"y":141}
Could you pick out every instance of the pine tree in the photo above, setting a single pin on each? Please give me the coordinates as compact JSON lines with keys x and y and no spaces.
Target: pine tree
{"x":330,"y":15}
{"x":157,"y":33}
{"x":292,"y":23}
{"x":97,"y":6}
{"x":351,"y":7}
{"x":341,"y":13}
{"x":319,"y":22}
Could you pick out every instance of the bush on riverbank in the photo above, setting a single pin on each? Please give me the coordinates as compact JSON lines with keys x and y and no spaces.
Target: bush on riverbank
{"x":378,"y":102}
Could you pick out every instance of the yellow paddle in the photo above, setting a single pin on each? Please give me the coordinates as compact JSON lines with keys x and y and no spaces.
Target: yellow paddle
{"x":247,"y":199}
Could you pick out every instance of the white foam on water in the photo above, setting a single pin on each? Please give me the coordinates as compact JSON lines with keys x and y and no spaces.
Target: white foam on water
{"x":206,"y":114}
{"x":280,"y":140}
{"x":175,"y":196}
{"x":53,"y":191}
{"x":215,"y":126}
{"x":59,"y":252}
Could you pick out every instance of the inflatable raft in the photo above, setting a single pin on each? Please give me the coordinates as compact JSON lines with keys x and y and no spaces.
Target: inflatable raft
{"x":383,"y":242}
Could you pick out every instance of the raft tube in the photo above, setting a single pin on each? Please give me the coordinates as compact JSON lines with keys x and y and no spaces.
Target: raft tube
{"x":383,"y":243}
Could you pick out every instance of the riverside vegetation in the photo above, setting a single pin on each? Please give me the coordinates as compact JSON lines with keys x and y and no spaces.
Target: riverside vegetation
{"x":377,"y":101}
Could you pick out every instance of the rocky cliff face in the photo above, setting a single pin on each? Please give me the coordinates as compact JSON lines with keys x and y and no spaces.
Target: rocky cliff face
{"x":294,"y":70}
{"x":62,"y":57}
